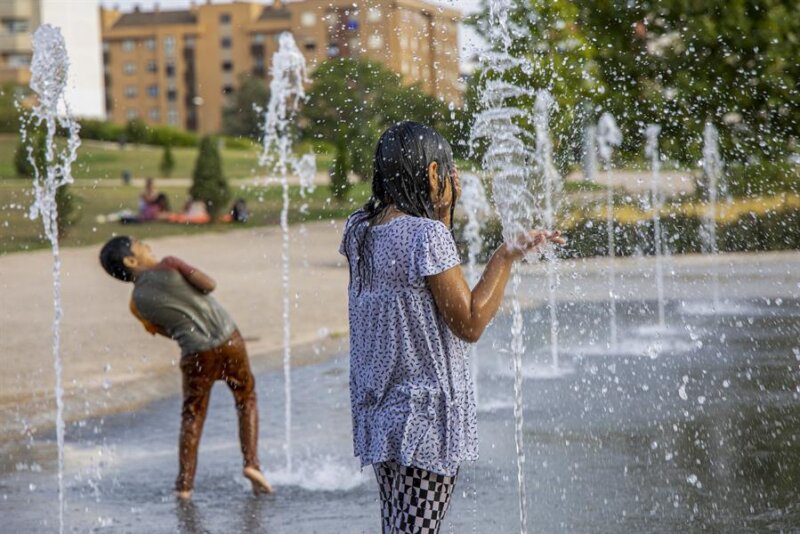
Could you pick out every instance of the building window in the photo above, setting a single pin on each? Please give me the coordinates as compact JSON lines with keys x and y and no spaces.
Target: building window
{"x":310,"y":46}
{"x":169,"y":45}
{"x":170,"y":69}
{"x":374,"y":14}
{"x":258,"y":38}
{"x":129,"y":68}
{"x":152,"y":66}
{"x":18,"y":60}
{"x":352,"y":21}
{"x":172,"y":94}
{"x":16,"y":25}
{"x":189,"y":41}
{"x":227,"y":89}
{"x":375,"y":41}
{"x":106,"y":47}
{"x":225,"y":42}
{"x":155,"y":114}
{"x":227,"y":66}
{"x":128,"y":45}
{"x":225,"y":18}
{"x":172,"y":116}
{"x":150,"y":43}
{"x":130,"y":91}
{"x":152,"y":91}
{"x":132,"y":114}
{"x":308,"y":19}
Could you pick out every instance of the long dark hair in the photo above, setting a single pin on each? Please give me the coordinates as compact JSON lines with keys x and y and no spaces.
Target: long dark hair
{"x":400,"y":177}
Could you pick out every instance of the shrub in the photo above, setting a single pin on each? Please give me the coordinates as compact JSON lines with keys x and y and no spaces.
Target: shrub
{"x":777,"y":227}
{"x":68,"y":206}
{"x":762,"y":178}
{"x":167,"y":164}
{"x":136,"y":131}
{"x":239,"y":143}
{"x":209,"y":183}
{"x":101,"y":130}
{"x":21,"y":162}
{"x":166,"y":135}
{"x":340,"y":171}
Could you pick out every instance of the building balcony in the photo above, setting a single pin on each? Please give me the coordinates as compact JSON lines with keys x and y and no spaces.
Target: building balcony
{"x":16,"y":42}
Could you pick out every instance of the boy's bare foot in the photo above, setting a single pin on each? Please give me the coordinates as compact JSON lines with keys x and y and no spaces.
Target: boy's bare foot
{"x":257,"y":479}
{"x":184,"y":495}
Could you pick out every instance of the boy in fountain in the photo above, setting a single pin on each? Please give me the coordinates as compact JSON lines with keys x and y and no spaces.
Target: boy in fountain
{"x":172,"y":298}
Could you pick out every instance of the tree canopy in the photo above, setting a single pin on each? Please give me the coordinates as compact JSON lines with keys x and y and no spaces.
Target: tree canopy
{"x":676,"y":63}
{"x":351,"y":102}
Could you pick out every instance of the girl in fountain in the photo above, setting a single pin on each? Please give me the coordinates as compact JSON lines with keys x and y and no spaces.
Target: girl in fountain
{"x":171,"y":298}
{"x":411,"y":317}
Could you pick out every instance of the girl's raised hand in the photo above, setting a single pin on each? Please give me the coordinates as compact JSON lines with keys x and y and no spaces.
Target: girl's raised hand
{"x":533,"y":241}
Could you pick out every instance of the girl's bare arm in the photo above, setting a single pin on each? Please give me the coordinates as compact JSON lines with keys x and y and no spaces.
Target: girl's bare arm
{"x":466,"y":312}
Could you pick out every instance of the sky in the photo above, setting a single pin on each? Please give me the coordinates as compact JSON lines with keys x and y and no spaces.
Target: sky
{"x":468,"y":39}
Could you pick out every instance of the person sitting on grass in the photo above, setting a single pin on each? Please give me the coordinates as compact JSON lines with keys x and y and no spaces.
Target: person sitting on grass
{"x":152,"y":204}
{"x":172,"y":298}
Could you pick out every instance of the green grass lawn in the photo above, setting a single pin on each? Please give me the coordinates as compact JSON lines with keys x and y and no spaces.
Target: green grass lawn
{"x":19,"y":233}
{"x":100,"y":161}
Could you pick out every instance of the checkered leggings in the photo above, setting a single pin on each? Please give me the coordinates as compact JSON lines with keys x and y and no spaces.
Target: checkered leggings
{"x":413,"y":501}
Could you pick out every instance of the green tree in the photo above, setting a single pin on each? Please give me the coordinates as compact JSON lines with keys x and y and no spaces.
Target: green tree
{"x":167,"y":163}
{"x":676,"y":63}
{"x":560,"y":59}
{"x":241,"y":116}
{"x":341,"y":170}
{"x":351,"y":102}
{"x":208,"y":181}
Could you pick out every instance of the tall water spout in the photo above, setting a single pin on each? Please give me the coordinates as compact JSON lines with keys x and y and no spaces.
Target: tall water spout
{"x":608,"y":137}
{"x":286,"y":92}
{"x":651,"y":150}
{"x":49,"y":75}
{"x":506,"y":159}
{"x":476,"y":208}
{"x":547,"y":175}
{"x":590,"y":153}
{"x":712,"y":171}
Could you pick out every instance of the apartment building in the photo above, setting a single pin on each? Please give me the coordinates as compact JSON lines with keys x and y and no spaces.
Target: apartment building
{"x":80,"y":26}
{"x":178,"y":67}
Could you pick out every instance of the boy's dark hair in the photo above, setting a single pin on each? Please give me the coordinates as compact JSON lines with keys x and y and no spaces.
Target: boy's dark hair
{"x":113,"y":253}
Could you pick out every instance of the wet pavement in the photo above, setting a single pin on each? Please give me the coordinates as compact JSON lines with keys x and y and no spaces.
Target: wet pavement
{"x":692,"y":428}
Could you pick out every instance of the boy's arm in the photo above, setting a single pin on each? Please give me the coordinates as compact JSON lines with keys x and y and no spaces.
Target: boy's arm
{"x":150,"y":327}
{"x":196,"y":277}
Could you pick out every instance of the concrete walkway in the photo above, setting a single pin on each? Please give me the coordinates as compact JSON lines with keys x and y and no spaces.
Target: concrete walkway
{"x":111,"y":363}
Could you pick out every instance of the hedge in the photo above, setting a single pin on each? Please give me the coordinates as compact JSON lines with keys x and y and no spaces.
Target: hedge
{"x":754,"y":224}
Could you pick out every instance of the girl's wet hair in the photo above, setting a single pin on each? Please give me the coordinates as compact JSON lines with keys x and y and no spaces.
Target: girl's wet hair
{"x":400,"y":177}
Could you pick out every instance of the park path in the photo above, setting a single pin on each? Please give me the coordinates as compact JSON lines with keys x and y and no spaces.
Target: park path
{"x":111,"y":363}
